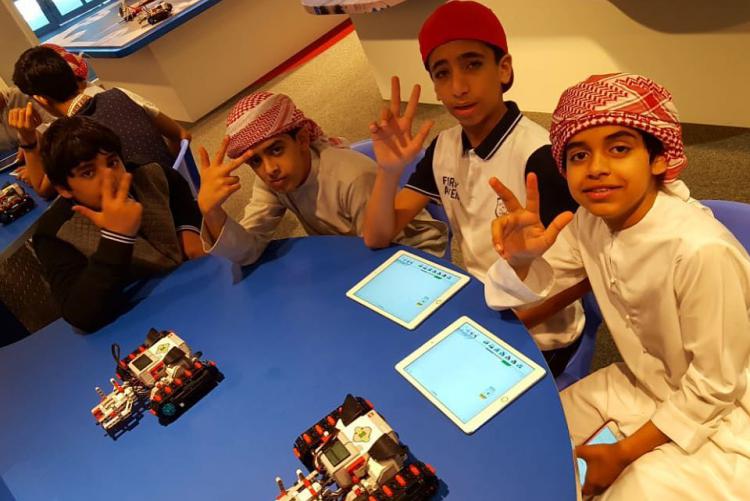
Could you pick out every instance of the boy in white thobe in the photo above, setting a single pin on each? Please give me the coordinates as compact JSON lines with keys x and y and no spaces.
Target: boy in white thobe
{"x":673,"y":285}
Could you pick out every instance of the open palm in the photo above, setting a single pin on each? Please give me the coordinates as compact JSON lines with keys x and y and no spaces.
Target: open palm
{"x":394,"y":145}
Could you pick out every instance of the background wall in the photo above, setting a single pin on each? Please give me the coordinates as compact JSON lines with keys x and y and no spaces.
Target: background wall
{"x":15,"y":37}
{"x":697,"y":49}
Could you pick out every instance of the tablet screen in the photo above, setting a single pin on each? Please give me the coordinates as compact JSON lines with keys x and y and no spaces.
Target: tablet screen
{"x":406,"y":287}
{"x":467,"y":371}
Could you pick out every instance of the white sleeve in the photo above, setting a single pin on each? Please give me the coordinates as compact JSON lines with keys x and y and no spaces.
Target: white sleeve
{"x":712,"y":290}
{"x":559,"y":268}
{"x":243,"y":242}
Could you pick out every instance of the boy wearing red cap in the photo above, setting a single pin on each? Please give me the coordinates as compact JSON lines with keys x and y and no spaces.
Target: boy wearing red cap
{"x":673,"y":285}
{"x":299,"y":169}
{"x":464,"y":48}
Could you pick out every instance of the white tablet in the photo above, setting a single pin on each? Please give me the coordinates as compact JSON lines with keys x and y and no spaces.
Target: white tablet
{"x":469,"y":373}
{"x":407,"y":288}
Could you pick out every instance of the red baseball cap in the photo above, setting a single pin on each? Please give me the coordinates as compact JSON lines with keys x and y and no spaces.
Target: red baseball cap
{"x":462,"y":20}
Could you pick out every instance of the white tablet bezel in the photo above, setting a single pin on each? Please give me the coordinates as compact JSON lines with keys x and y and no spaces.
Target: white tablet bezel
{"x":501,"y":402}
{"x":462,"y":280}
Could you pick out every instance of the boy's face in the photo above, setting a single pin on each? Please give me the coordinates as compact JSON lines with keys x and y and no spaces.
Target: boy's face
{"x":282,"y":162}
{"x":468,"y":80}
{"x":85,"y":180}
{"x":610,"y":174}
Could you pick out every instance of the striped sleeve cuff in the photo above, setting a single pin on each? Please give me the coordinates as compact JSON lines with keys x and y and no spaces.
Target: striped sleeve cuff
{"x":433,"y":196}
{"x":188,"y":227}
{"x":117,"y":237}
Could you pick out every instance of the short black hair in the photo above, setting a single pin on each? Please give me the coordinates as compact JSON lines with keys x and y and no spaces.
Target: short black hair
{"x":72,"y":140}
{"x":497,"y":51}
{"x":40,"y":71}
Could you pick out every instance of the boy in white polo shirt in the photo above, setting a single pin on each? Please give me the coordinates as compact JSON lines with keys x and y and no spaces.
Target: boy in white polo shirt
{"x":464,"y":48}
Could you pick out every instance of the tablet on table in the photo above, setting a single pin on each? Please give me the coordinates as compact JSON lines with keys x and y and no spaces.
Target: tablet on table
{"x":469,"y":373}
{"x":407,"y":288}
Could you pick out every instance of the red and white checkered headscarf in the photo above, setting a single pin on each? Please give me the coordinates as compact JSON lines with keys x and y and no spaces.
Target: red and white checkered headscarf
{"x":263,"y":115}
{"x":77,"y":63}
{"x":623,"y":99}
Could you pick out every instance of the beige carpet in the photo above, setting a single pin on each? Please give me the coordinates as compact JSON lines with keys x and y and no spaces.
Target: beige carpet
{"x":338,"y":90}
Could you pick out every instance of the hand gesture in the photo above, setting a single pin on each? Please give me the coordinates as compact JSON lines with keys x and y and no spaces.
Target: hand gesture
{"x":119,"y":213}
{"x":604,"y":464}
{"x":216,"y":182}
{"x":25,"y":121}
{"x":392,"y":139}
{"x":519,"y":236}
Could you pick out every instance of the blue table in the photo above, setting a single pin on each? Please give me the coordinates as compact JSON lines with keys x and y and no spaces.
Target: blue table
{"x":291,"y":345}
{"x":14,"y":234}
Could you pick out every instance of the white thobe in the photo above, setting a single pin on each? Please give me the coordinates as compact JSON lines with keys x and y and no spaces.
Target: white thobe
{"x":674,"y":290}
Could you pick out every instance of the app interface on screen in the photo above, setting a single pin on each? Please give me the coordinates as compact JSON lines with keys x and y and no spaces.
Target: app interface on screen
{"x":605,"y":436}
{"x":467,"y":371}
{"x":406,"y":287}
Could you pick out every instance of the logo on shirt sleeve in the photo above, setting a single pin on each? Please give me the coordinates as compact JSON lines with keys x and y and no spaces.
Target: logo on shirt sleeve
{"x":500,"y":208}
{"x":450,"y":187}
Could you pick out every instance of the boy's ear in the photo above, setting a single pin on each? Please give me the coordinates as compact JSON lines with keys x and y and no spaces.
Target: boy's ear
{"x":505,"y":69}
{"x":659,"y":165}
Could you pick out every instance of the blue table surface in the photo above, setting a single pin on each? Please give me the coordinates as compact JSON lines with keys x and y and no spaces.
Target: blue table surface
{"x":291,"y":346}
{"x":103,"y":34}
{"x":9,"y":234}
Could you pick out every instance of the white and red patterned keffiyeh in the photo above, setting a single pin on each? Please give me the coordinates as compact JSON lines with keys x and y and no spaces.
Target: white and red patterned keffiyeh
{"x":76,"y":62}
{"x":623,"y":99}
{"x":263,"y":115}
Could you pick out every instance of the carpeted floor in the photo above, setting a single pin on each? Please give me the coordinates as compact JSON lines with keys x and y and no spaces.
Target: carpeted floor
{"x":338,"y":90}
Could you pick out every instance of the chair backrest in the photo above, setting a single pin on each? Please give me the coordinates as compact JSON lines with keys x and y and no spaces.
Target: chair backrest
{"x":435,"y":210}
{"x":185,"y":165}
{"x":735,"y":216}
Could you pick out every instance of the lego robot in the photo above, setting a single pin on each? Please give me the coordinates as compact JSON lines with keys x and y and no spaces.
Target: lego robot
{"x":162,"y":374}
{"x":352,"y":454}
{"x":142,"y":12}
{"x":14,"y":203}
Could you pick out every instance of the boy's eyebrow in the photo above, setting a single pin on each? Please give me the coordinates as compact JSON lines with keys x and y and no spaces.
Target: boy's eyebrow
{"x":462,"y":57}
{"x":273,"y":145}
{"x":615,"y":135}
{"x":576,"y":144}
{"x":621,"y":133}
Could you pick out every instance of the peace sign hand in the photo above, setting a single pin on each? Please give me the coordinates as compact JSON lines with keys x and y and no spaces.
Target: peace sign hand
{"x":519,"y":236}
{"x":119,"y":213}
{"x":216,"y":182}
{"x":392,"y":139}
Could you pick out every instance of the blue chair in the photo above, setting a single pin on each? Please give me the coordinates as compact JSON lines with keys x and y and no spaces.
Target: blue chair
{"x":185,"y":165}
{"x":435,"y":210}
{"x":579,"y":365}
{"x":735,"y":216}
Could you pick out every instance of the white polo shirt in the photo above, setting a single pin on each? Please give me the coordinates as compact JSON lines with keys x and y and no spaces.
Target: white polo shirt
{"x":457,"y":176}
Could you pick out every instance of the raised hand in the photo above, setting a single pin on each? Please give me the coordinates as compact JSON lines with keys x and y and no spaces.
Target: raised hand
{"x":217,"y":183}
{"x":119,"y":213}
{"x":25,"y":121}
{"x":519,"y":236}
{"x":392,"y":139}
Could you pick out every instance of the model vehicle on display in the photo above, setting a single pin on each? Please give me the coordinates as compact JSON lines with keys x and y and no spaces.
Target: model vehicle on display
{"x":353,"y":454}
{"x":162,"y":374}
{"x":14,"y":203}
{"x":143,"y":12}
